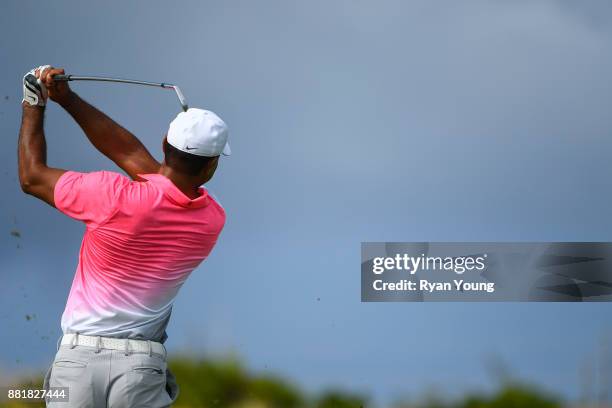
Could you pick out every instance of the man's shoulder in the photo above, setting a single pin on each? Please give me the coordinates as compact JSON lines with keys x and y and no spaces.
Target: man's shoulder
{"x":214,"y":197}
{"x":102,"y":175}
{"x":219,"y":209}
{"x":95,"y":179}
{"x":111,"y":175}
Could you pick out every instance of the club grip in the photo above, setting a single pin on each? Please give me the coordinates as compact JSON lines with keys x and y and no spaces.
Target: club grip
{"x":61,"y":77}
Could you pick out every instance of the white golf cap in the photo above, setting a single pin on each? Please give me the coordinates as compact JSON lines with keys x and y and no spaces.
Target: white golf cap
{"x":199,"y":132}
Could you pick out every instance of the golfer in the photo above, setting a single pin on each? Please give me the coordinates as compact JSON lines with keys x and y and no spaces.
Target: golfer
{"x":143,"y":237}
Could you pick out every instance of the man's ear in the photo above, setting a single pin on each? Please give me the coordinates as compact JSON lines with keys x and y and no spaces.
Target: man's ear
{"x":164,"y":147}
{"x":209,"y":170}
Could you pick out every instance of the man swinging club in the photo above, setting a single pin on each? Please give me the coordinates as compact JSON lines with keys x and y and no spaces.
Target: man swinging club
{"x":143,"y":238}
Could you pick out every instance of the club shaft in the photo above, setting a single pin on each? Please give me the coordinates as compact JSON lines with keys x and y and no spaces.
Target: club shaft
{"x":165,"y":85}
{"x":109,"y":79}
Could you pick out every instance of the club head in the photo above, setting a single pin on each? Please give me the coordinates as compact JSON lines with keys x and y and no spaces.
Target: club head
{"x":181,"y":98}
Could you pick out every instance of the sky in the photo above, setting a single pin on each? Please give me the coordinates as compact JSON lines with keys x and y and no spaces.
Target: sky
{"x":349,"y":121}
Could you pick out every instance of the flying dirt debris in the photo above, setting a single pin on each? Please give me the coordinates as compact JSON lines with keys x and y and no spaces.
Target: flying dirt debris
{"x":16,"y":233}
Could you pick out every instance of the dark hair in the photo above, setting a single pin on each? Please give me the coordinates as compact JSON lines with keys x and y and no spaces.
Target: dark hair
{"x":187,"y":163}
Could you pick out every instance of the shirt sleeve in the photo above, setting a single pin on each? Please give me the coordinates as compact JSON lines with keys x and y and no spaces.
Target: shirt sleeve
{"x":89,"y":197}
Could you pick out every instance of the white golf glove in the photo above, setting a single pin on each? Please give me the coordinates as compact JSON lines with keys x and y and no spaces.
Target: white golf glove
{"x":34,"y":91}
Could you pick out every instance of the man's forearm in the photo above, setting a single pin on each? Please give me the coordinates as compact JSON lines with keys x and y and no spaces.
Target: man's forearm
{"x":110,"y":138}
{"x":32,"y":149}
{"x":36,"y":178}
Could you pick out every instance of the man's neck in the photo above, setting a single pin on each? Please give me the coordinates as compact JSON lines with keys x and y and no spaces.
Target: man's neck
{"x":186,"y":184}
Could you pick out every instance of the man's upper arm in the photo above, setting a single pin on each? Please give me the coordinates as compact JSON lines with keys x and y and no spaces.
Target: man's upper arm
{"x":111,"y":139}
{"x":89,"y":197}
{"x":140,"y":162}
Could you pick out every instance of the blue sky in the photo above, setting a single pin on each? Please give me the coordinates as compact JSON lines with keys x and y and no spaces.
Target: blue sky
{"x":350,"y":121}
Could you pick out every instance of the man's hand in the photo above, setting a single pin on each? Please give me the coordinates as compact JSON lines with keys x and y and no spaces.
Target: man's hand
{"x":59,"y":91}
{"x":34,"y":90}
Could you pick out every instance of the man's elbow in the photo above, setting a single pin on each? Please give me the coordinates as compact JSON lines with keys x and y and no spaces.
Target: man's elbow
{"x":30,"y":177}
{"x":27,"y":184}
{"x":28,"y":181}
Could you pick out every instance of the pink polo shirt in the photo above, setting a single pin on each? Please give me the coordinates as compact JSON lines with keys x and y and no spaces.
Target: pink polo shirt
{"x":142,"y":240}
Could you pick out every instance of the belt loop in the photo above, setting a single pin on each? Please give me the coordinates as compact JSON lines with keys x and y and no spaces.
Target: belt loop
{"x":75,"y":340}
{"x":150,"y":348}
{"x":127,"y":347}
{"x":98,"y":344}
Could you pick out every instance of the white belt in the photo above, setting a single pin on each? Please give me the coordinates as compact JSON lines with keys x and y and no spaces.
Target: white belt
{"x":109,"y":343}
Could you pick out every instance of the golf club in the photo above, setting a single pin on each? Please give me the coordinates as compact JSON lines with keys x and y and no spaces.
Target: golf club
{"x":165,"y":85}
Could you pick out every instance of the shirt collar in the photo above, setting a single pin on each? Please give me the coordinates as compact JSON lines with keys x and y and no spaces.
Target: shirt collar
{"x":175,"y":194}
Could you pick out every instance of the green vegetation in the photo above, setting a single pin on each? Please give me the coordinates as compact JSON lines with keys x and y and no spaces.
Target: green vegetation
{"x":511,"y":396}
{"x":226,"y":384}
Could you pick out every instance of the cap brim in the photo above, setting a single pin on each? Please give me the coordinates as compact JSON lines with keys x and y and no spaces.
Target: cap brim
{"x":226,"y":150}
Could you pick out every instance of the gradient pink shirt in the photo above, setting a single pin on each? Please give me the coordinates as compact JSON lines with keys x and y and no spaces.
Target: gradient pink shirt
{"x":142,"y":241}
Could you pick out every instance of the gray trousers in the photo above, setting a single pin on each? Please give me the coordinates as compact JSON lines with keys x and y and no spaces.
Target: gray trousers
{"x":111,"y":379}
